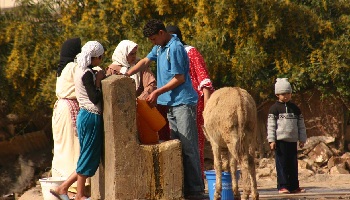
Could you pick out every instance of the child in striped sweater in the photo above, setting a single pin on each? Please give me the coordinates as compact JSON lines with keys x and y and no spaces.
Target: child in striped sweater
{"x":285,"y":127}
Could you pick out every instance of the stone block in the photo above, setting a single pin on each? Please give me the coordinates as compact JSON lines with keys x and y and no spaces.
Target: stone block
{"x":131,"y":170}
{"x":167,"y":171}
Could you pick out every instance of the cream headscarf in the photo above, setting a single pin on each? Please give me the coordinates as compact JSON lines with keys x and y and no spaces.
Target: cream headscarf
{"x":119,"y":57}
{"x":89,"y":50}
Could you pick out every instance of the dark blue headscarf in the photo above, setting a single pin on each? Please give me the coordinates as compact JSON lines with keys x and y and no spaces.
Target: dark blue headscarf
{"x":175,"y":30}
{"x":70,"y":48}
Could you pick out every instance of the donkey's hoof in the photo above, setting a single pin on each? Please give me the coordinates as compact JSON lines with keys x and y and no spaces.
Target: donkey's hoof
{"x":217,"y":196}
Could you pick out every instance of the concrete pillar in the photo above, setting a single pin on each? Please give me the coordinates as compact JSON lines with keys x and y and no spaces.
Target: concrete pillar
{"x":130,"y":170}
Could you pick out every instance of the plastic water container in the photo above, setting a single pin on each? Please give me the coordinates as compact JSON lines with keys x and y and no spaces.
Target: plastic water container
{"x":226,"y":181}
{"x":50,"y":183}
{"x":146,"y":134}
{"x":149,"y":122}
{"x":152,"y":116}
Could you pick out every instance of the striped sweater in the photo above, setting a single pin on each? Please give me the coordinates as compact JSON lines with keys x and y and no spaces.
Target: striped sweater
{"x":285,"y":122}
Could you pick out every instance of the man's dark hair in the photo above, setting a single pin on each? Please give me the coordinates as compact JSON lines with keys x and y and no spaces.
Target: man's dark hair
{"x":152,"y":27}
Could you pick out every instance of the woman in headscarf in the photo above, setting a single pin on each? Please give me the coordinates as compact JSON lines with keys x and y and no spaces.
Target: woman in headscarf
{"x":89,"y":120}
{"x":123,"y":58}
{"x":65,"y":138}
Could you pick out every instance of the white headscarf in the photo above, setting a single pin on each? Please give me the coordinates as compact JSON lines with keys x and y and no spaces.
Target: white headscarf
{"x":89,"y":50}
{"x":119,"y":57}
{"x":122,"y":51}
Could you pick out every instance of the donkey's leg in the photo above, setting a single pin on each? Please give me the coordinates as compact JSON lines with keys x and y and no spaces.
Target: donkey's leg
{"x":252,"y":176}
{"x":245,"y":177}
{"x":233,"y":169}
{"x":217,"y":167}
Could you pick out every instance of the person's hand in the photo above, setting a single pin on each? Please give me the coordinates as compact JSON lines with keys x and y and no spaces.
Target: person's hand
{"x":152,"y":98}
{"x":272,"y":145}
{"x":301,"y":144}
{"x":100,"y":75}
{"x":113,"y":71}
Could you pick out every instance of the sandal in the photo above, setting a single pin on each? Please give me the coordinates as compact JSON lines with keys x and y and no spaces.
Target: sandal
{"x":283,"y":191}
{"x":299,"y":190}
{"x":59,"y":196}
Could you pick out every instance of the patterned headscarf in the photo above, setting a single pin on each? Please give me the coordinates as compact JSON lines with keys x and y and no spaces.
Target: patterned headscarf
{"x":70,"y":48}
{"x":122,"y":51}
{"x":89,"y":50}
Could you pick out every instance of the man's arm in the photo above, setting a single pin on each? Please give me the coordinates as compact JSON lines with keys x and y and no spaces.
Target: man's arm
{"x":142,"y":64}
{"x":173,"y":83}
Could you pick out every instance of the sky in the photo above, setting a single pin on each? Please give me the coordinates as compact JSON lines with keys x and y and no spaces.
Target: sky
{"x":6,"y":3}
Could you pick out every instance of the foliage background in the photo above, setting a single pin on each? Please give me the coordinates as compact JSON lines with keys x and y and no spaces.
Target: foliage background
{"x":245,"y":43}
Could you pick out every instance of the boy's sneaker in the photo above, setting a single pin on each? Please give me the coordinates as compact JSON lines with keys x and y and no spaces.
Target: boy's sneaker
{"x":299,"y":190}
{"x":283,"y":191}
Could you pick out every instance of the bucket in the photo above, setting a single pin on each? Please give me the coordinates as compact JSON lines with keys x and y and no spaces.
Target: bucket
{"x":146,"y":134}
{"x":50,"y":183}
{"x":152,"y":116}
{"x":226,"y":181}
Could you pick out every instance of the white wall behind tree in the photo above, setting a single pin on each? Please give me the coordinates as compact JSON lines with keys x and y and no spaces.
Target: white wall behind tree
{"x":6,"y":3}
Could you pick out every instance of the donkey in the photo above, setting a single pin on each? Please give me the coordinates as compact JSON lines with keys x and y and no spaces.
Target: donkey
{"x":230,"y":121}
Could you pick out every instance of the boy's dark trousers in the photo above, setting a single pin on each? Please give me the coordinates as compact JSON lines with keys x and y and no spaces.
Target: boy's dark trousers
{"x":287,"y":165}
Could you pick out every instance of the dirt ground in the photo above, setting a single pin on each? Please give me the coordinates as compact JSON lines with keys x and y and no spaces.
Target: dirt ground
{"x":320,"y":186}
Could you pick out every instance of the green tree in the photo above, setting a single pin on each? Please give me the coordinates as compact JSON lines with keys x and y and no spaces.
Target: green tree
{"x":31,"y":34}
{"x":245,"y":43}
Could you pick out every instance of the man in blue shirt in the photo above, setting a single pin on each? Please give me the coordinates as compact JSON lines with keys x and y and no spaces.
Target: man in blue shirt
{"x":174,"y":89}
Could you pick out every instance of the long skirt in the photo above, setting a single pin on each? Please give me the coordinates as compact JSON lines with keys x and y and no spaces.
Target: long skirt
{"x":66,"y":144}
{"x":90,"y":132}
